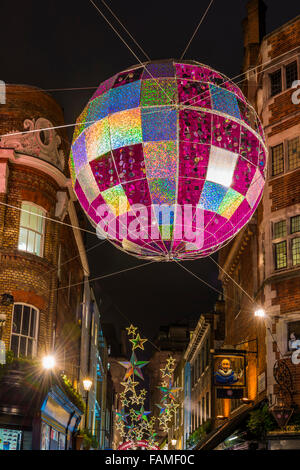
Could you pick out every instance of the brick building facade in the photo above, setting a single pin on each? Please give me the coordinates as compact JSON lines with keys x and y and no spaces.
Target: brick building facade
{"x":43,"y":262}
{"x":264,"y":259}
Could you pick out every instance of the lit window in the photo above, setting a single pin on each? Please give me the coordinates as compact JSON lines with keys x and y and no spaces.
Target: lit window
{"x":276,"y":84}
{"x":32,"y":228}
{"x":280,"y":255}
{"x":277,"y":160}
{"x":294,"y":153}
{"x":24,"y":330}
{"x":296,"y":251}
{"x":290,"y":74}
{"x":295,"y":224}
{"x":279,"y":229}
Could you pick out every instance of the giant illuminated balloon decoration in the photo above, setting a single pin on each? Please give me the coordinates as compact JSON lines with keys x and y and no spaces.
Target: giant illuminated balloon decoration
{"x":174,"y":135}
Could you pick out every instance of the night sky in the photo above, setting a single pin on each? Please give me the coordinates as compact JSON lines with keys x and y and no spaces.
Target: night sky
{"x":66,"y":43}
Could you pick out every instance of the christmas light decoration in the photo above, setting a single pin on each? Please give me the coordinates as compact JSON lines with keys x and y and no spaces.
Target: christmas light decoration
{"x":168,"y":133}
{"x":134,"y":424}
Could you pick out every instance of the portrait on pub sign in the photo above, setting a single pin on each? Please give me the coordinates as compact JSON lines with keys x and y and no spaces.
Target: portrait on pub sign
{"x":229,"y":370}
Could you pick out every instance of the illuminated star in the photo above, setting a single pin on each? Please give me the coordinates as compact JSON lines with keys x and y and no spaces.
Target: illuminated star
{"x":171,"y":362}
{"x":133,"y":367}
{"x":131,"y":330}
{"x":167,"y":371}
{"x":142,"y":414}
{"x":121,"y":416}
{"x":169,"y":391}
{"x":129,"y":385}
{"x":138,"y":342}
{"x":172,"y":407}
{"x":162,"y":409}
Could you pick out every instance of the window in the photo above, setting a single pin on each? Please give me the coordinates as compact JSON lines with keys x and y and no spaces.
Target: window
{"x":295,"y":224}
{"x":207,"y":405}
{"x":295,"y":251}
{"x":277,"y":160}
{"x":203,"y":410}
{"x":290,"y":74}
{"x":280,"y":255}
{"x":24,"y":330}
{"x":293,"y":330}
{"x":32,"y":227}
{"x":279,"y":229}
{"x":276,"y":84}
{"x":293,"y":148}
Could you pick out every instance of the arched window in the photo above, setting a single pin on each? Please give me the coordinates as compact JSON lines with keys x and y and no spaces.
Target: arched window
{"x":32,"y":229}
{"x":24,"y":330}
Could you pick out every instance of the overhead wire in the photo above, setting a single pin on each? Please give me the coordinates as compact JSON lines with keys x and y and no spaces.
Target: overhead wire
{"x":130,"y":35}
{"x":198,"y":26}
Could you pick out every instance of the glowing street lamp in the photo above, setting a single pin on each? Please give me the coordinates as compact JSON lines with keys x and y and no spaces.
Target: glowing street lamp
{"x":259,"y":312}
{"x":48,"y":362}
{"x":87,"y":384}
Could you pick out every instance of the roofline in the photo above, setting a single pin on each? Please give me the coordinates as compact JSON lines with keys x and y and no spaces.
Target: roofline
{"x":275,"y":31}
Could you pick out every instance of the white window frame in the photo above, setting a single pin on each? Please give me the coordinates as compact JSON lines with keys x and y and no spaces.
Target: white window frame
{"x":35,"y":337}
{"x":42,"y":234}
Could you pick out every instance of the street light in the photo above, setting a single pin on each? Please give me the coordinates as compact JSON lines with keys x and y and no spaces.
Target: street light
{"x":48,"y":362}
{"x":173,"y":442}
{"x":259,"y":312}
{"x":87,"y":385}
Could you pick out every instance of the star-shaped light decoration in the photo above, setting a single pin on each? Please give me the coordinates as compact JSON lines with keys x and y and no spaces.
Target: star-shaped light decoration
{"x":138,"y":399}
{"x":138,"y":342}
{"x":133,"y":367}
{"x":142,"y":414}
{"x":168,"y":392}
{"x":172,"y":407}
{"x":129,"y":385}
{"x":171,"y":362}
{"x":167,"y":371}
{"x":121,"y":416}
{"x":162,"y":409}
{"x":131,"y":330}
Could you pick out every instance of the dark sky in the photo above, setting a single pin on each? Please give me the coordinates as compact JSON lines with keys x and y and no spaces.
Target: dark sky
{"x":66,"y":43}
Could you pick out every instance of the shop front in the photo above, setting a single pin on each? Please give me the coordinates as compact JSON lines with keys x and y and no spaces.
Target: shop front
{"x":34,"y":418}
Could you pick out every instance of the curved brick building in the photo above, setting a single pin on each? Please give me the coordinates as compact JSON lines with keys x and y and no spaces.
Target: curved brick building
{"x":34,"y":259}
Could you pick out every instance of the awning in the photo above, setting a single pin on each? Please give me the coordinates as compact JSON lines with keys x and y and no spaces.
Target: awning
{"x":219,"y":435}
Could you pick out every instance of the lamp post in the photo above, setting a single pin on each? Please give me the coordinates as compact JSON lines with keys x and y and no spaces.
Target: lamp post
{"x":87,"y":384}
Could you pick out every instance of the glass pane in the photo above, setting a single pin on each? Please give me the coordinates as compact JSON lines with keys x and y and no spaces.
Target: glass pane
{"x":24,"y":220}
{"x":37,"y":250}
{"x":295,"y":224}
{"x":290,"y":74}
{"x":40,"y":222}
{"x":22,"y":239}
{"x":29,"y":347}
{"x":14,"y":346}
{"x":17,"y":319}
{"x":276,"y":85}
{"x":22,"y":351}
{"x":279,"y":229}
{"x":296,"y":250}
{"x":280,"y":255}
{"x":32,"y":323}
{"x":33,"y":219}
{"x":294,"y":153}
{"x":277,"y":160}
{"x":25,"y":322}
{"x":30,"y":242}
